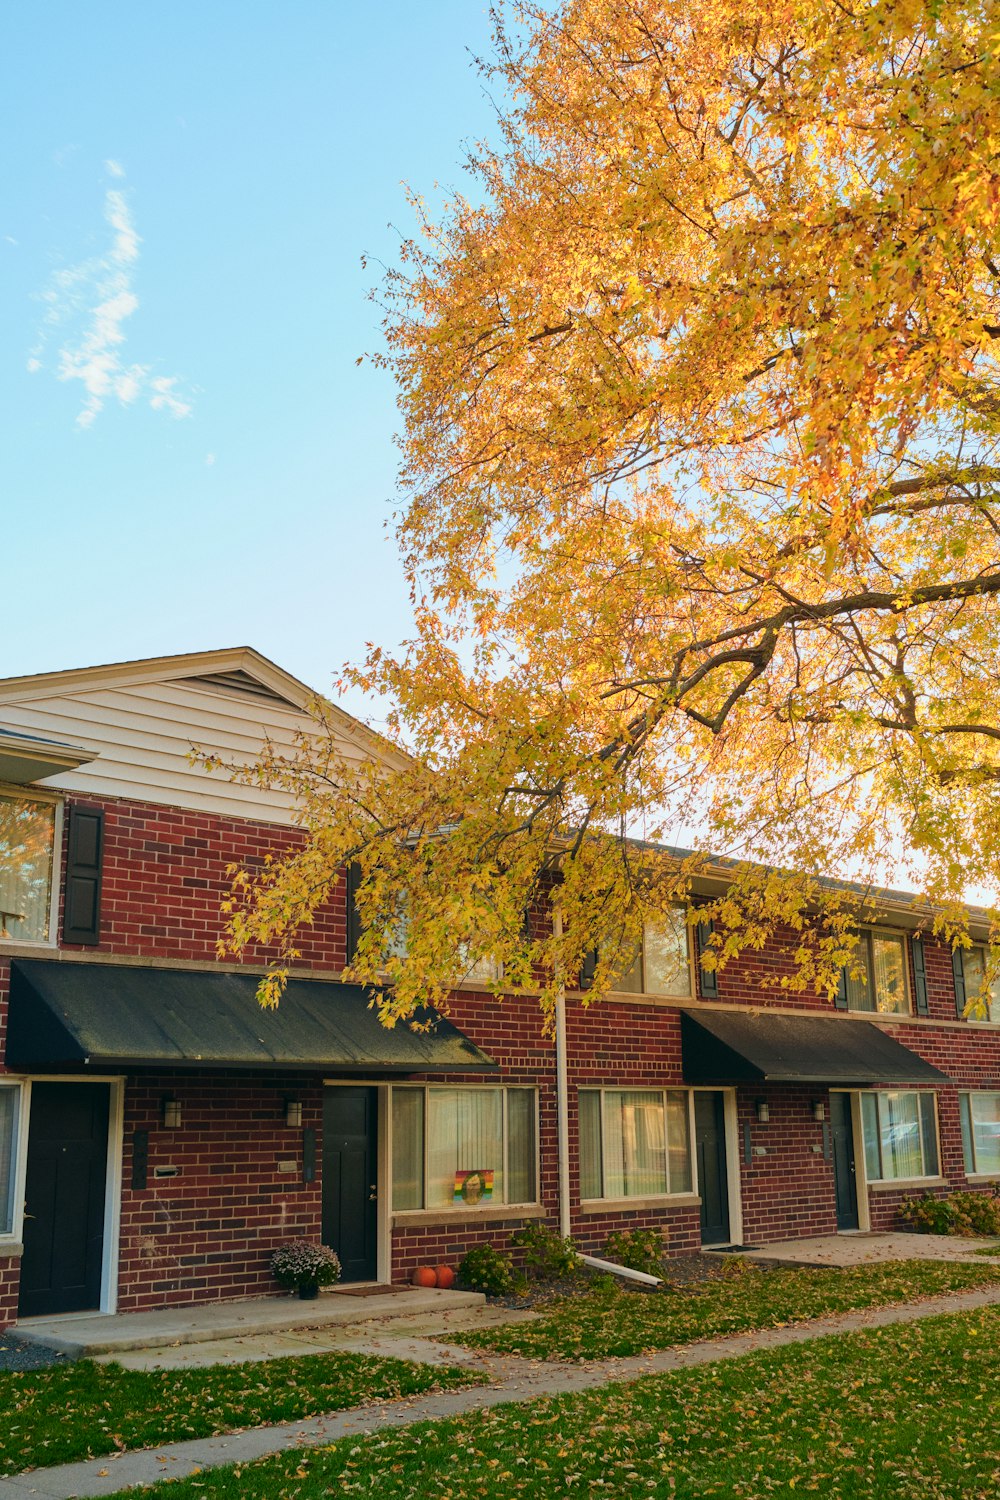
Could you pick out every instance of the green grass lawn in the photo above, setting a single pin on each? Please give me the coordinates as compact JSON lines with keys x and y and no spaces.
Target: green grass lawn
{"x":604,"y":1323}
{"x":901,"y":1413}
{"x":83,"y":1410}
{"x":988,"y":1250}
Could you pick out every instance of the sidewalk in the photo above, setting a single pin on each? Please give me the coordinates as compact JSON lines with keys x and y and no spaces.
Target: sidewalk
{"x":511,"y":1379}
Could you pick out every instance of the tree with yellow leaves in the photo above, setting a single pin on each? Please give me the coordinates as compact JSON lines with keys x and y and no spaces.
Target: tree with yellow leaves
{"x":700,"y":409}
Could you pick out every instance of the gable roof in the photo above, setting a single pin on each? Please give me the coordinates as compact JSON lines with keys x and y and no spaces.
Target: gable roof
{"x":142,"y":719}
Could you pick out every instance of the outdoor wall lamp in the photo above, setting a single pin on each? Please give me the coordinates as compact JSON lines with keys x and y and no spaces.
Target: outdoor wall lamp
{"x":819,"y":1110}
{"x":762,"y":1111}
{"x":171,"y":1114}
{"x":293,"y":1114}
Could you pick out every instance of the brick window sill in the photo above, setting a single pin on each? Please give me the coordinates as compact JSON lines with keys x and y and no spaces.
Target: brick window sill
{"x":11,"y":1250}
{"x":982,"y":1177}
{"x":456,"y":1217}
{"x":895,"y":1184}
{"x":620,"y":1205}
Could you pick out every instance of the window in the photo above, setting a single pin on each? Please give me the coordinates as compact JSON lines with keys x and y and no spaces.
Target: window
{"x":634,"y":1143}
{"x":661,"y":966}
{"x":900,"y":1132}
{"x":10,"y":1104}
{"x":27,"y":837}
{"x":981,"y":1133}
{"x":979,"y":1006}
{"x":881,"y":983}
{"x":455,"y":1148}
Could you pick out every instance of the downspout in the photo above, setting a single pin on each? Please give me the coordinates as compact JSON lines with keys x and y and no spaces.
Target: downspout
{"x":562,"y":1084}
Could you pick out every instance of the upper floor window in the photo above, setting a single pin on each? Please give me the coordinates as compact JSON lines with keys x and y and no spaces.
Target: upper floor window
{"x":662,"y":963}
{"x":982,"y":1002}
{"x":875,"y":980}
{"x":981,"y":1133}
{"x":27,"y":842}
{"x":900,"y":1133}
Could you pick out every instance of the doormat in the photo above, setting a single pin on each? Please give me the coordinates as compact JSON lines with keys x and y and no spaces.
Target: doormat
{"x":368,"y":1291}
{"x":726,"y":1249}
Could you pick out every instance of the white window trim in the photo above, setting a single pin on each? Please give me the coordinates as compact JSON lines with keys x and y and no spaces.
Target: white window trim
{"x":500,"y":1210}
{"x":41,"y":794}
{"x":885,"y":1183}
{"x":678,"y":1200}
{"x":975,"y":1175}
{"x":654,"y":997}
{"x":15,"y":1237}
{"x":877,"y":929}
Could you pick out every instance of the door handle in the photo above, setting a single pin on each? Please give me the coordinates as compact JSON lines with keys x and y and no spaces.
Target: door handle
{"x":373,"y":1193}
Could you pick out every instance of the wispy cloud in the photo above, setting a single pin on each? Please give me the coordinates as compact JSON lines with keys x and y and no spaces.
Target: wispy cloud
{"x":88,"y":308}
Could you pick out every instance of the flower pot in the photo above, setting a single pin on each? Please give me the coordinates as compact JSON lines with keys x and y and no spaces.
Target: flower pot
{"x":309,"y":1290}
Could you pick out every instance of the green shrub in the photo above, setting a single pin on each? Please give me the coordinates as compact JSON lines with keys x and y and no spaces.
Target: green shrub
{"x":960,"y":1213}
{"x":484,"y":1268}
{"x":928,"y":1215}
{"x":639,"y":1249}
{"x":547,"y":1256}
{"x":980,"y":1212}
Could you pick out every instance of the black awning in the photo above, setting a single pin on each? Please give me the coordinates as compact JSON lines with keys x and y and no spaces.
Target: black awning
{"x":114,"y":1016}
{"x":724,"y":1047}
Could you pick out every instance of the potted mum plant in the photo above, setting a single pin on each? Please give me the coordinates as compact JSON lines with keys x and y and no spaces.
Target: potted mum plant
{"x":305,"y":1266}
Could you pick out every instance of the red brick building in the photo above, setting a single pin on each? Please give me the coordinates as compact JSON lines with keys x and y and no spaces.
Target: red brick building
{"x":160,"y":1135}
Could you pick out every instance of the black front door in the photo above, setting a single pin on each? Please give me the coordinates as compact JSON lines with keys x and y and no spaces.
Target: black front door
{"x":713,"y":1178}
{"x":350,"y":1179}
{"x":64,"y":1199}
{"x":844,"y":1176}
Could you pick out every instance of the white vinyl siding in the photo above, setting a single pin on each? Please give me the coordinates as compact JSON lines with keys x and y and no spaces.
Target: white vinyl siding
{"x":634,"y":1143}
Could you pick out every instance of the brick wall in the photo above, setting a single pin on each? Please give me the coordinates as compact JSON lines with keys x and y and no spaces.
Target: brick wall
{"x":10,"y":1278}
{"x":208,"y":1233}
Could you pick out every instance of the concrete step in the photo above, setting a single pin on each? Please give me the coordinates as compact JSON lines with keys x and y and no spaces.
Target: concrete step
{"x":82,"y":1337}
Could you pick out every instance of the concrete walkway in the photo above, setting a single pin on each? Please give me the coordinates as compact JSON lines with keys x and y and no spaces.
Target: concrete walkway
{"x":511,"y":1380}
{"x":862,"y":1249}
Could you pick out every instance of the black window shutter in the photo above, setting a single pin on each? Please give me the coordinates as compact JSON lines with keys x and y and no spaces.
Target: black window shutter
{"x":708,"y":978}
{"x":840,"y":998}
{"x":958,"y":969}
{"x":588,"y":968}
{"x":919,"y":975}
{"x":353,"y":916}
{"x":84,"y":853}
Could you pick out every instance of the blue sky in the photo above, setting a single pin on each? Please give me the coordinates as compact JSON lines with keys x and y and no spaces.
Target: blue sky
{"x":202,"y":462}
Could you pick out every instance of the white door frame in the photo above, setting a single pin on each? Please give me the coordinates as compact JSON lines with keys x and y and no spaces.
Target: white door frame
{"x":110,"y":1253}
{"x":860,"y":1177}
{"x":732,"y":1144}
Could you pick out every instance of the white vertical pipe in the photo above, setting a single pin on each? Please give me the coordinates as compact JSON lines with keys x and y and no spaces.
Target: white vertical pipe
{"x":562,"y":1087}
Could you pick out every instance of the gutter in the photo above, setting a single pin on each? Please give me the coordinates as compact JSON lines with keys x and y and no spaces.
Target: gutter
{"x":562,"y":1093}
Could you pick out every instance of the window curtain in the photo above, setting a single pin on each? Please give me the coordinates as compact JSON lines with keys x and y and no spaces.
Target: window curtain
{"x":678,"y":1143}
{"x":889,"y":963}
{"x":26,"y":837}
{"x":900,"y":1134}
{"x":667,"y":969}
{"x":635,"y":1148}
{"x":464,"y":1134}
{"x":521,"y":1184}
{"x":9,"y":1100}
{"x":591,"y":1164}
{"x":986,"y":1131}
{"x":407,"y":1148}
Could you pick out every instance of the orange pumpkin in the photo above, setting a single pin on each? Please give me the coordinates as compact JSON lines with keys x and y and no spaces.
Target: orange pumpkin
{"x":424,"y":1276}
{"x":445,"y":1276}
